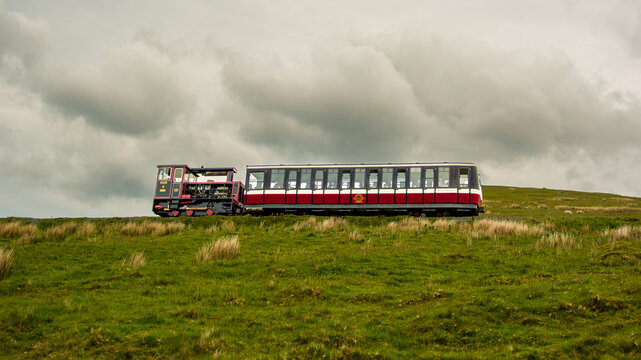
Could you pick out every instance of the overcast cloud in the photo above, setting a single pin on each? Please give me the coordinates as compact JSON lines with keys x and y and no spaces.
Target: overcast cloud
{"x":94,"y":96}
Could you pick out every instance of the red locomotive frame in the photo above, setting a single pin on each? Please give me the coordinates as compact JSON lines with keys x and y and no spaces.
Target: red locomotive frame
{"x":392,"y":188}
{"x":181,"y":190}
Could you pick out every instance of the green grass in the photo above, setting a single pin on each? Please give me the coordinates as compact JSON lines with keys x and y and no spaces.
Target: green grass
{"x":358,"y":290}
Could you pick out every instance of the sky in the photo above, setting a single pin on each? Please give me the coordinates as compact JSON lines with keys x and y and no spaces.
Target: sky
{"x":95,"y":94}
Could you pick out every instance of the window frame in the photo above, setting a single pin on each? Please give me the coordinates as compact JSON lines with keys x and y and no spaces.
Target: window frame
{"x":369,"y":177}
{"x":322,"y":180}
{"x":342,"y":172}
{"x":332,"y":171}
{"x":288,"y":181}
{"x":249,"y":179}
{"x":396,"y":178}
{"x":449,"y":177}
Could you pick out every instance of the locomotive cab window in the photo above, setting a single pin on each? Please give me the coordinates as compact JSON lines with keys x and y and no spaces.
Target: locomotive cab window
{"x":256,"y":180}
{"x":164,"y":173}
{"x":178,"y":174}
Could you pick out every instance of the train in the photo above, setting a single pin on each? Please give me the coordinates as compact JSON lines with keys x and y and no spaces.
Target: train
{"x":433,"y":189}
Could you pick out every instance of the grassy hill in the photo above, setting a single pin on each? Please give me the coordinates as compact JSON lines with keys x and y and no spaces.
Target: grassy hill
{"x":543,"y":274}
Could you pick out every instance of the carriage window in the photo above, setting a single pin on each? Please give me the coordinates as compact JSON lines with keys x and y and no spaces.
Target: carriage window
{"x":463,"y":178}
{"x":332,"y":178}
{"x":415,"y":177}
{"x":387,"y":177}
{"x":306,"y":178}
{"x":429,"y":178}
{"x":178,"y":175}
{"x":256,"y":180}
{"x":373,"y":179}
{"x":164,"y":173}
{"x":443,"y":177}
{"x":278,"y":178}
{"x":359,"y":179}
{"x":318,"y":179}
{"x":291,"y":179}
{"x":345,"y":179}
{"x":401,"y":178}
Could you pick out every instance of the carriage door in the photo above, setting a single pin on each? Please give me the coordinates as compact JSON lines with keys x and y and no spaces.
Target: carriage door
{"x":292,"y":186}
{"x":345,"y":186}
{"x":401,"y":186}
{"x":317,"y":193}
{"x":464,"y":185}
{"x":359,"y":193}
{"x":177,"y":183}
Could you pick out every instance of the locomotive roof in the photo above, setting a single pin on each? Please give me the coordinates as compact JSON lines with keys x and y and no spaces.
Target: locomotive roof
{"x":360,"y":165}
{"x":216,"y":170}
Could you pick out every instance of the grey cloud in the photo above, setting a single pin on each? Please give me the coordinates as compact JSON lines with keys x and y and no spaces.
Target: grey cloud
{"x":392,"y":97}
{"x":137,"y":91}
{"x":346,"y":105}
{"x":21,"y":37}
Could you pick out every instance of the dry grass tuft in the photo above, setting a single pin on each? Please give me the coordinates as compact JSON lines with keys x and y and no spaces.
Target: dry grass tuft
{"x":557,"y":241}
{"x":86,"y":229}
{"x":212,"y":229}
{"x":331,"y":223}
{"x":6,"y":262}
{"x":16,"y":229}
{"x":367,"y":246}
{"x":151,"y":228}
{"x":210,"y":341}
{"x":413,"y":224}
{"x":564,"y":198}
{"x":228,"y":226}
{"x":495,"y":228}
{"x":135,"y":262}
{"x":10,"y":230}
{"x":355,"y":236}
{"x":623,"y":233}
{"x":227,"y":247}
{"x":305,"y":224}
{"x":30,"y":235}
{"x":443,"y":225}
{"x":59,"y":232}
{"x":608,"y":209}
{"x":513,"y":206}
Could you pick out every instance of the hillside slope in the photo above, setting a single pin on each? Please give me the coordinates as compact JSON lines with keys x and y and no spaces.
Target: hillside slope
{"x":543,"y":274}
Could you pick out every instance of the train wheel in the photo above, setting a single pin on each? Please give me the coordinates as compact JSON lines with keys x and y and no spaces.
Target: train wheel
{"x":189,"y":212}
{"x":175,"y":213}
{"x":210,"y":212}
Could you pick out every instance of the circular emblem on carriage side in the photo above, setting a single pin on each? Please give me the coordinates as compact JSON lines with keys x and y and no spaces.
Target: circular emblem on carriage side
{"x":359,"y":198}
